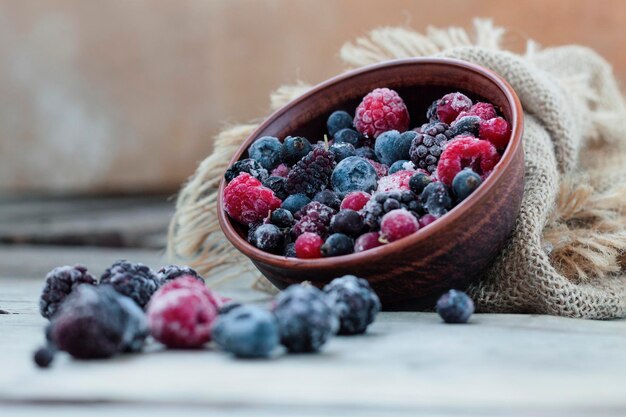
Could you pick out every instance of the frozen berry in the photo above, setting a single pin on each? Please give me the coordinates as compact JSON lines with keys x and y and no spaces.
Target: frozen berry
{"x":266,"y":151}
{"x":354,"y":302}
{"x":426,"y":219}
{"x":419,"y":181}
{"x":436,"y":199}
{"x":312,"y":173}
{"x":381,"y":110}
{"x":295,"y":148}
{"x":338,"y":120}
{"x":355,"y":200}
{"x":43,"y":357}
{"x":450,"y":105}
{"x":171,"y":272}
{"x":381,"y":169}
{"x":342,"y":150}
{"x":189,"y":282}
{"x":134,"y":280}
{"x":247,"y":201}
{"x":314,"y":217}
{"x":467,"y":125}
{"x":396,"y":181}
{"x":483,"y":110}
{"x":350,"y":136}
{"x":305,"y":320}
{"x":428,"y":145}
{"x":281,"y":170}
{"x":392,"y":146}
{"x":282,"y":218}
{"x":455,"y":307}
{"x":397,"y":224}
{"x":366,"y":152}
{"x":290,"y":250}
{"x":401,"y":165}
{"x":248,"y":165}
{"x":466,"y":152}
{"x":337,"y":244}
{"x":348,"y":222}
{"x":328,"y":198}
{"x":247,"y":332}
{"x":308,"y":246}
{"x":60,"y":282}
{"x":383,"y":202}
{"x":464,"y":183}
{"x":278,"y":185}
{"x":353,"y":174}
{"x":431,"y":113}
{"x":295,"y":202}
{"x":367,"y":241}
{"x":497,"y":131}
{"x":269,"y":238}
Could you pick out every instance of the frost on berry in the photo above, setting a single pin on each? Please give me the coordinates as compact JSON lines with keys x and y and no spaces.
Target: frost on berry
{"x":464,"y":151}
{"x":247,"y":201}
{"x":396,"y":181}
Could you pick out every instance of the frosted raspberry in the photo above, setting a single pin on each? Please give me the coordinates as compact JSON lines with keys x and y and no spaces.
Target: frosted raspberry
{"x":496,"y":131}
{"x":281,"y":170}
{"x":465,"y":151}
{"x":191,"y":282}
{"x":308,"y":246}
{"x":450,"y":105}
{"x":397,"y":181}
{"x":247,"y":201}
{"x":427,"y":219}
{"x":355,"y":200}
{"x":397,"y":224}
{"x":483,"y":110}
{"x":381,"y":110}
{"x":381,"y":169}
{"x":367,"y":241}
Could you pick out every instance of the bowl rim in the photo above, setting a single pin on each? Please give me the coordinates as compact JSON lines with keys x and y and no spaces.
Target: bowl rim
{"x":354,"y":259}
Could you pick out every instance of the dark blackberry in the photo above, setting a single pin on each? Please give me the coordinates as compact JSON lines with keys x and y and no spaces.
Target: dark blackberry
{"x":60,"y":282}
{"x":436,"y":199}
{"x":248,"y":165}
{"x":315,"y":218}
{"x":312,"y":173}
{"x":383,"y":202}
{"x":431,"y":113}
{"x":267,"y":151}
{"x":171,"y":272}
{"x":282,"y":218}
{"x":295,"y":202}
{"x":134,"y":280}
{"x":295,"y":148}
{"x":268,"y":238}
{"x":348,"y":222}
{"x":366,"y":152}
{"x":278,"y":185}
{"x":350,"y":136}
{"x":455,"y":307}
{"x":305,"y":320}
{"x":465,"y":183}
{"x":464,"y":126}
{"x":428,"y":145}
{"x":354,"y":302}
{"x":418,"y":182}
{"x":328,"y":198}
{"x":338,"y":120}
{"x":342,"y":150}
{"x":337,"y":244}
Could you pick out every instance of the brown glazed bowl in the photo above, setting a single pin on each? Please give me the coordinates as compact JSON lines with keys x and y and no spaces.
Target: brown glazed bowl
{"x":449,"y":253}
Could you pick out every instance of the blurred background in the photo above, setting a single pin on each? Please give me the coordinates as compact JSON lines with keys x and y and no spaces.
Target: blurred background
{"x":124,"y":96}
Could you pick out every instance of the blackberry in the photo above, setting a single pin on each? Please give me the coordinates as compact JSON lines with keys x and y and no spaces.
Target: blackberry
{"x":312,"y":173}
{"x":464,"y":126}
{"x":295,"y":148}
{"x":246,"y":332}
{"x":134,"y":280}
{"x":268,"y":238}
{"x":328,"y":198}
{"x":315,"y":218}
{"x":60,"y":282}
{"x":455,"y":307}
{"x":248,"y":165}
{"x":431,"y":113}
{"x":338,"y":120}
{"x":282,"y":218}
{"x":436,"y":198}
{"x":428,"y":144}
{"x":348,"y":222}
{"x":366,"y":152}
{"x":465,"y":183}
{"x":295,"y":202}
{"x":350,"y":136}
{"x":171,"y":272}
{"x":383,"y":202}
{"x":342,"y":150}
{"x":337,"y":244}
{"x":267,"y":151}
{"x":305,"y":320}
{"x":354,"y":302}
{"x":278,"y":185}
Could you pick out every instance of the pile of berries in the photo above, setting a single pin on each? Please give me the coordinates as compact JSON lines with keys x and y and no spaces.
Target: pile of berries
{"x":373,"y":182}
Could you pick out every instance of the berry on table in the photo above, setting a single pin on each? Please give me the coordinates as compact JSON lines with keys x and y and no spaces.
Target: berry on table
{"x":295,"y":148}
{"x":337,"y":121}
{"x":392,"y":146}
{"x":266,"y":151}
{"x":350,"y":136}
{"x":397,"y":224}
{"x":455,"y":307}
{"x":342,"y":150}
{"x":419,"y":181}
{"x":282,"y":218}
{"x":308,"y":246}
{"x":43,"y":357}
{"x":246,"y":332}
{"x":328,"y":198}
{"x":348,"y":222}
{"x":466,"y":152}
{"x":171,"y":272}
{"x":436,"y":199}
{"x":314,"y":217}
{"x":247,"y":201}
{"x":428,"y":145}
{"x":354,"y":302}
{"x":268,"y":238}
{"x":295,"y":202}
{"x":312,"y":173}
{"x":337,"y":244}
{"x":248,"y":165}
{"x":353,"y":174}
{"x":60,"y":282}
{"x":277,"y":185}
{"x":381,"y":110}
{"x":497,"y":131}
{"x":450,"y":105}
{"x":190,"y":282}
{"x":134,"y":280}
{"x":465,"y":183}
{"x":355,"y":200}
{"x":367,"y":241}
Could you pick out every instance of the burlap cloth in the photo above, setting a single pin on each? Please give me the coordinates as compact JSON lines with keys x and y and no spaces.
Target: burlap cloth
{"x":566,"y":254}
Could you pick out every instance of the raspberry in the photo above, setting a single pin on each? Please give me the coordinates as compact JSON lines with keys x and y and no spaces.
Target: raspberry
{"x":464,"y":151}
{"x":367,"y":241}
{"x":190,"y":282}
{"x":481,"y":109}
{"x":337,"y":244}
{"x":354,"y":302}
{"x":428,"y":144}
{"x":426,"y":219}
{"x":450,"y":105}
{"x":382,"y":203}
{"x":397,"y":224}
{"x":308,"y":246}
{"x":397,"y":181}
{"x":312,"y":173}
{"x":496,"y":131}
{"x":247,"y":201}
{"x":314,"y":217}
{"x":180,"y":315}
{"x":455,"y":307}
{"x":355,"y":200}
{"x":60,"y":282}
{"x":134,"y":280}
{"x":281,"y":170}
{"x":246,"y":332}
{"x":248,"y":165}
{"x":381,"y":110}
{"x":380,"y":169}
{"x":171,"y":272}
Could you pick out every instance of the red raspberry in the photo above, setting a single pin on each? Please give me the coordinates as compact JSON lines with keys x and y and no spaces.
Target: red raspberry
{"x":381,"y":169}
{"x":451,"y":105}
{"x":355,"y":200}
{"x":381,"y":110}
{"x":496,"y":131}
{"x":466,"y":151}
{"x":247,"y":201}
{"x":367,"y":241}
{"x":396,"y":181}
{"x":281,"y":170}
{"x":427,"y":219}
{"x":308,"y":246}
{"x":397,"y":224}
{"x":483,"y":110}
{"x":190,"y":282}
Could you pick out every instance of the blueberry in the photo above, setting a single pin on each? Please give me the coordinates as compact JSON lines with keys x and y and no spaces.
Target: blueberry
{"x":401,"y":165}
{"x":436,"y":199}
{"x":337,"y":244}
{"x":246,"y":332}
{"x":466,"y":125}
{"x":354,"y":174}
{"x":418,"y":182}
{"x":290,"y":250}
{"x":43,"y":357}
{"x":455,"y":307}
{"x":367,"y":153}
{"x":295,"y":202}
{"x":342,"y":150}
{"x":269,"y":238}
{"x":338,"y":120}
{"x":392,"y":146}
{"x":282,"y":218}
{"x":248,"y":165}
{"x":347,"y":136}
{"x":348,"y":222}
{"x":295,"y":148}
{"x":354,"y":302}
{"x":328,"y":198}
{"x":278,"y":185}
{"x":266,"y":151}
{"x":464,"y":183}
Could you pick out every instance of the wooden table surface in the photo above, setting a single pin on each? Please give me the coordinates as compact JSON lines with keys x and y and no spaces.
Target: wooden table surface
{"x":408,"y":364}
